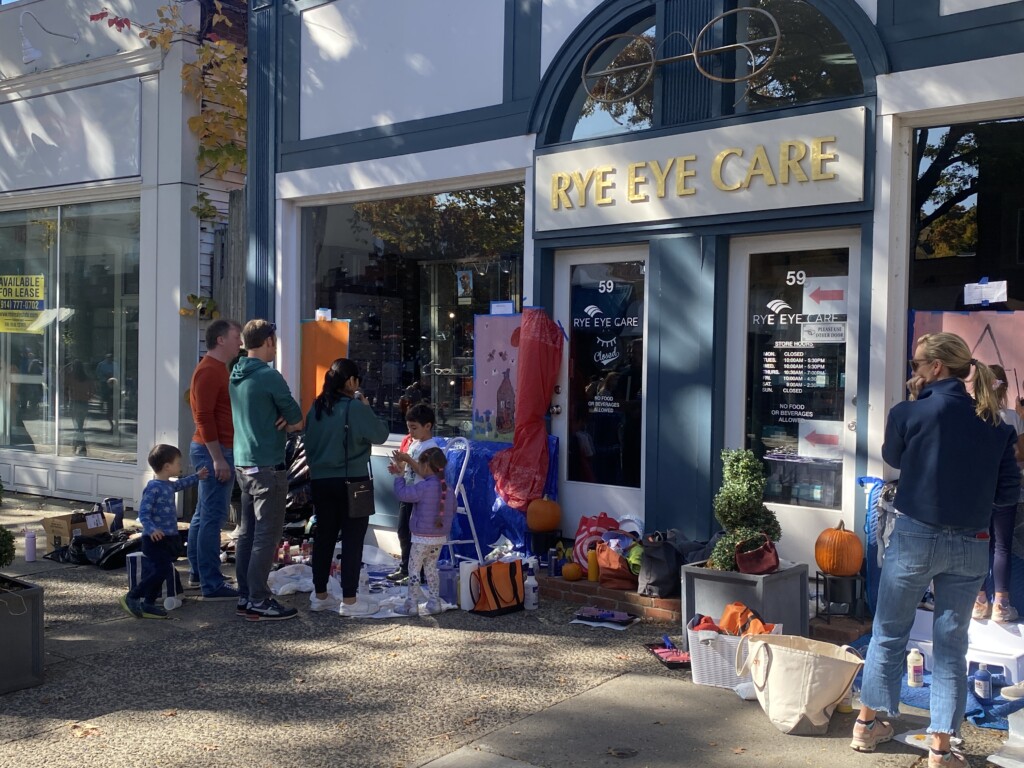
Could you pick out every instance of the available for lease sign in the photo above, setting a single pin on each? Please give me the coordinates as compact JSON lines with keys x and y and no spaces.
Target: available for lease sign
{"x":769,"y":165}
{"x":22,"y":298}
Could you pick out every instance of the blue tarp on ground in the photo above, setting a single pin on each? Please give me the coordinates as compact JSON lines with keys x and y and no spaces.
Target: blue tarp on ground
{"x":491,"y":516}
{"x":988,"y":714}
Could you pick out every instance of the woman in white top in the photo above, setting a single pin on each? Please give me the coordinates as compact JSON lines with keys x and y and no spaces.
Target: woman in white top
{"x":1004,"y":519}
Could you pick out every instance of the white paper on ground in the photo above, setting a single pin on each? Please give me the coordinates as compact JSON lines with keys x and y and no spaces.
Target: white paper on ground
{"x":386,"y":606}
{"x":608,"y":624}
{"x":921,"y":739}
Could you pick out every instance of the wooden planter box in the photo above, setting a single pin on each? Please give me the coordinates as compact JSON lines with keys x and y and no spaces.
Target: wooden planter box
{"x":779,"y":598}
{"x":21,"y":634}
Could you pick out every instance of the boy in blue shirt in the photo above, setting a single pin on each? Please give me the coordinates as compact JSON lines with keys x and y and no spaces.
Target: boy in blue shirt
{"x":161,"y":543}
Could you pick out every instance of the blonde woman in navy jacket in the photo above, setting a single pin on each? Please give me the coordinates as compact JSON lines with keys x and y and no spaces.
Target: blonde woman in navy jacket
{"x":956,"y":461}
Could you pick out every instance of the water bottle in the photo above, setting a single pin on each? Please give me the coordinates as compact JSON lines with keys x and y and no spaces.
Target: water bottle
{"x":552,"y":561}
{"x":983,"y":683}
{"x":306,"y":549}
{"x":364,"y":582}
{"x":593,"y":574}
{"x":915,"y":668}
{"x":286,"y":552}
{"x":531,"y":600}
{"x":30,"y":546}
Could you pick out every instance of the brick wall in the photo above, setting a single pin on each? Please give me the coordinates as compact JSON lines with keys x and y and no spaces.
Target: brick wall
{"x":590,"y":593}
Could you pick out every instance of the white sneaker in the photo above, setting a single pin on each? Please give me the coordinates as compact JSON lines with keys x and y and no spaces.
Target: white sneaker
{"x":329,"y":603}
{"x":433,"y":607}
{"x":408,"y":607}
{"x":358,"y":608}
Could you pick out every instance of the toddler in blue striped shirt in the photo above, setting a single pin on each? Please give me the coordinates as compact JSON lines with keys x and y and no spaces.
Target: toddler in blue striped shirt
{"x":161,"y":543}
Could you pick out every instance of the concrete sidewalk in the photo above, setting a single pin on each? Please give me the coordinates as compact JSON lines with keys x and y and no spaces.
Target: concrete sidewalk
{"x":452,"y":691}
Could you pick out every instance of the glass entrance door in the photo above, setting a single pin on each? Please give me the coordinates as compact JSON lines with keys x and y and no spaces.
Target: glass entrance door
{"x":792,"y":364}
{"x":599,"y":299}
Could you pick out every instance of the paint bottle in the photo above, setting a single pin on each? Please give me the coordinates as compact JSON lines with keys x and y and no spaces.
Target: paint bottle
{"x":30,"y":546}
{"x":845,"y":704}
{"x":915,"y":668}
{"x":983,"y":683}
{"x":531,"y":598}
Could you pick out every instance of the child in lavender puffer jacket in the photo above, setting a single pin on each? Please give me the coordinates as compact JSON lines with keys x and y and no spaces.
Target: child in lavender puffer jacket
{"x":429,"y":523}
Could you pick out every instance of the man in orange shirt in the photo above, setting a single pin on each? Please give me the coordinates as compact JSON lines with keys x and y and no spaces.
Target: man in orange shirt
{"x":211,"y":448}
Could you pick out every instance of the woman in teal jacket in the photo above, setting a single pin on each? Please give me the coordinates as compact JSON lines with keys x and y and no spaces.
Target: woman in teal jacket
{"x":340,"y":429}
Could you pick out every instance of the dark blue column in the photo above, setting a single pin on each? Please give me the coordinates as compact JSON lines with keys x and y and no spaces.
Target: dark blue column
{"x":685,"y":401}
{"x":687,"y":96}
{"x":262,"y":140}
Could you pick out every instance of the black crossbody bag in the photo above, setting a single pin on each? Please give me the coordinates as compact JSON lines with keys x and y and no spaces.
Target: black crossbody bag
{"x":359,"y":492}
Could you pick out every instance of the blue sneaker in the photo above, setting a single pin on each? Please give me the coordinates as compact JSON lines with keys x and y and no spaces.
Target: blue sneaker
{"x":132,"y":605}
{"x":225,"y":593}
{"x":242,"y":607}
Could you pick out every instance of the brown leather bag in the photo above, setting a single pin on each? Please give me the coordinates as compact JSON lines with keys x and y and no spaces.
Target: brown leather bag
{"x":614,"y":569}
{"x":764,"y":559}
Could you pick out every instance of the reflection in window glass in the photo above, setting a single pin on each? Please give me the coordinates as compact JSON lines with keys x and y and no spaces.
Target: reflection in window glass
{"x":68,"y":368}
{"x":814,"y":62}
{"x":606,"y":368}
{"x":796,"y":373}
{"x":636,"y":113}
{"x":970,"y":212}
{"x":411,"y":274}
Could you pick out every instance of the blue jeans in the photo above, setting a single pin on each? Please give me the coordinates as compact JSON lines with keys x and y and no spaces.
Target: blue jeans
{"x":211,"y":512}
{"x":956,"y":561}
{"x":261,"y":529}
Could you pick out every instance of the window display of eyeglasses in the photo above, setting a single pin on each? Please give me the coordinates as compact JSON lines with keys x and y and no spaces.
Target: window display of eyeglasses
{"x":410,"y":275}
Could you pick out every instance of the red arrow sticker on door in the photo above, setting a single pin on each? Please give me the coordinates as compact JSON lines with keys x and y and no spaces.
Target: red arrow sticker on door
{"x":817,"y":438}
{"x":819,"y":295}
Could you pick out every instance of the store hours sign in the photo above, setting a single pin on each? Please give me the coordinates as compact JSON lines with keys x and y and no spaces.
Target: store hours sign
{"x":797,"y":332}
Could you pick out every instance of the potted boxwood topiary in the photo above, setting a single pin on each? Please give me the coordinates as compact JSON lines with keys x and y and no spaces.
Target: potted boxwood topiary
{"x":21,"y":625}
{"x":740,"y":510}
{"x":779,"y":597}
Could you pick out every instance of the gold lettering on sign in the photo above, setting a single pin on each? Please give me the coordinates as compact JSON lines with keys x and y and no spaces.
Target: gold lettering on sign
{"x":790,"y":162}
{"x":683,"y":173}
{"x":759,"y":166}
{"x":633,"y":182}
{"x":800,"y":161}
{"x":660,"y":175}
{"x":604,"y":184}
{"x":718,"y":165}
{"x":560,"y":182}
{"x":582,"y":182}
{"x":819,"y":157}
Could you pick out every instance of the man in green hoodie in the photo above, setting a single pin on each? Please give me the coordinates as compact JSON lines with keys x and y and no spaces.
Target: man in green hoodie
{"x":262,"y":410}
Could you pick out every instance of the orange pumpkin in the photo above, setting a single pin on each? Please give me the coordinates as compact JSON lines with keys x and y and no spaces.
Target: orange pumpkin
{"x":838,"y":551}
{"x":543,"y":515}
{"x":572,"y":572}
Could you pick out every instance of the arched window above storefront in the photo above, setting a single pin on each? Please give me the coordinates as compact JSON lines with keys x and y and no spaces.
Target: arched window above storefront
{"x":813,"y":61}
{"x":625,"y":99}
{"x":623,"y":73}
